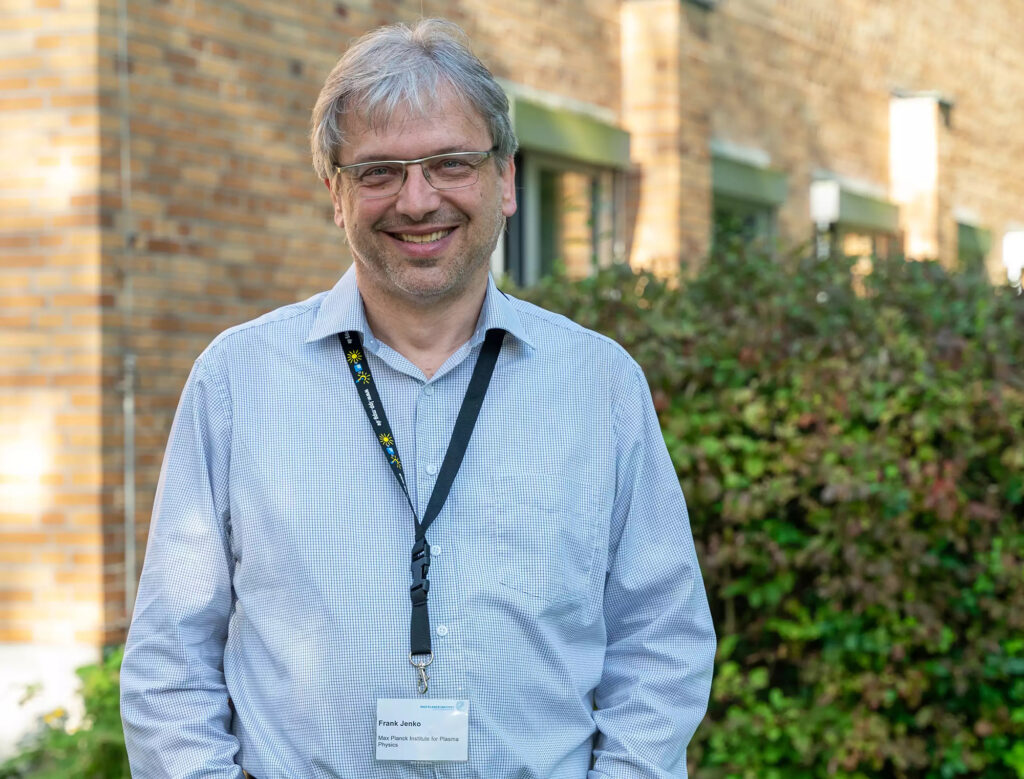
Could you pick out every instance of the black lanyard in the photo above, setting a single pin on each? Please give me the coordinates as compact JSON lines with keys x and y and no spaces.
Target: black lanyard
{"x":419,"y":627}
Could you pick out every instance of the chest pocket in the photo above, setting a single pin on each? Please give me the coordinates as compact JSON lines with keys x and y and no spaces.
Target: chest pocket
{"x":544,"y":543}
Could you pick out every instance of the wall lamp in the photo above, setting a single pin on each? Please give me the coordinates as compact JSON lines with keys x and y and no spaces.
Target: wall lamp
{"x":1013,"y":255}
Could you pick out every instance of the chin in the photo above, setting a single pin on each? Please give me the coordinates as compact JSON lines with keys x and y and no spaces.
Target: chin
{"x":422,"y":280}
{"x":438,"y":280}
{"x":426,"y":290}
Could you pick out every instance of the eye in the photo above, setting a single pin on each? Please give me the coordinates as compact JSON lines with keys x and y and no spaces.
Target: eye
{"x":376,"y":173}
{"x":455,"y":168}
{"x":452,"y":163}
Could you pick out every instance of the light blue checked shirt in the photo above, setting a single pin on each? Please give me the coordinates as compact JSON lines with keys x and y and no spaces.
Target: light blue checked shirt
{"x":566,"y":602}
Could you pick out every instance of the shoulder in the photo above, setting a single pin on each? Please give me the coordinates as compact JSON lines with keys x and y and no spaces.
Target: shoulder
{"x":281,"y":330}
{"x":598,"y":382}
{"x":566,"y":349}
{"x":557,"y":335}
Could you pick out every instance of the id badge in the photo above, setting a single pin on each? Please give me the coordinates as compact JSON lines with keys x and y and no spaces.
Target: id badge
{"x":434,"y":729}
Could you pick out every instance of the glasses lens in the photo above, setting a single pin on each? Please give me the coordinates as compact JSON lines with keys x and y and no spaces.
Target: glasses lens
{"x":451,"y":171}
{"x":377,"y":179}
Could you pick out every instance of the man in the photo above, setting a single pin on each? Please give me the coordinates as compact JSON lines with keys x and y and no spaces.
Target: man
{"x":415,"y":419}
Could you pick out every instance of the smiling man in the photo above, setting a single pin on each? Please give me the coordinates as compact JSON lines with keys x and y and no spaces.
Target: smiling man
{"x":413,"y":527}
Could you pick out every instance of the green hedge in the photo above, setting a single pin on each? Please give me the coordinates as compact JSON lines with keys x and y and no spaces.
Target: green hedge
{"x":854,"y":466}
{"x":94,"y":748}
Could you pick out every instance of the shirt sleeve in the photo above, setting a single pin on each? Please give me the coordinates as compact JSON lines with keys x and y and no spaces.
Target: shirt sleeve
{"x":661,"y":643}
{"x":174,"y":701}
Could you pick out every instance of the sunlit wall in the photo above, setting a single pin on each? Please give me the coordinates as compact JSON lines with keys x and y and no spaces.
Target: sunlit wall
{"x":51,"y":552}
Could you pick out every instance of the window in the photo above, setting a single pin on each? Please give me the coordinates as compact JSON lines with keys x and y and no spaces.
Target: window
{"x":746,"y":195}
{"x":861,"y":243}
{"x":569,"y":213}
{"x":855,"y":224}
{"x":571,"y":190}
{"x":751,"y":223}
{"x":972,"y":246}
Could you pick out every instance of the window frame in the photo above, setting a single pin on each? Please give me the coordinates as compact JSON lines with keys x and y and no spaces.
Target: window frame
{"x":558,"y":138}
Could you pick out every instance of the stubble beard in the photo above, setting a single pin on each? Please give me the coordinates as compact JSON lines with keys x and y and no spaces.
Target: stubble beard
{"x":397,"y":276}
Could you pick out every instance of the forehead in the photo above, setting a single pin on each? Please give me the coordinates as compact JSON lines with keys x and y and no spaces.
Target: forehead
{"x":441,"y":124}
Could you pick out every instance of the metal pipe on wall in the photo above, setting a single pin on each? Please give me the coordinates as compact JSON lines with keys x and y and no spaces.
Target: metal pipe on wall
{"x":128,"y":384}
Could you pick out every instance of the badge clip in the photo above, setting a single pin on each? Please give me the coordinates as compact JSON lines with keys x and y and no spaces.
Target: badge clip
{"x":421,"y":672}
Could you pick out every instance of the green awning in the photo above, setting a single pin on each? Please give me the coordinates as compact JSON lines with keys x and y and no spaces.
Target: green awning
{"x":868,"y":213}
{"x":569,"y":134}
{"x":745,"y":182}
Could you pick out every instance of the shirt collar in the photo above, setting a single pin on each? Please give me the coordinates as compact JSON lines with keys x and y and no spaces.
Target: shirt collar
{"x":342,"y":309}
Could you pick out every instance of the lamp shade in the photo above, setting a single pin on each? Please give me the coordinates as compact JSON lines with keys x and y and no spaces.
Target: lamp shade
{"x":1013,"y":254}
{"x":824,"y":202}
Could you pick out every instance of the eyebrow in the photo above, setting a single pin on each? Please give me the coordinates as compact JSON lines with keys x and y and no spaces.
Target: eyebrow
{"x":378,"y":158}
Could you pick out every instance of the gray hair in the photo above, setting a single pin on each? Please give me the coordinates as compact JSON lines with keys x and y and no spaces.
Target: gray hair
{"x":395,"y":66}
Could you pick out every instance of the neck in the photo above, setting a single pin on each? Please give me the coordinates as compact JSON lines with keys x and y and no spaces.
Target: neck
{"x":425,"y":333}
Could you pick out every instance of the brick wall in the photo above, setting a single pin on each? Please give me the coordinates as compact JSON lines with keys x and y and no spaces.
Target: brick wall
{"x":652,"y":113}
{"x":810,"y":84}
{"x":51,"y":538}
{"x":223,"y":218}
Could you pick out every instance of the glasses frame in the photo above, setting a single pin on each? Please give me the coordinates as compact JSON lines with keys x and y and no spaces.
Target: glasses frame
{"x":426,"y":174}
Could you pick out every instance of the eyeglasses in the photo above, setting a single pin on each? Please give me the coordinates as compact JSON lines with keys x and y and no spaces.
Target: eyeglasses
{"x":384,"y":178}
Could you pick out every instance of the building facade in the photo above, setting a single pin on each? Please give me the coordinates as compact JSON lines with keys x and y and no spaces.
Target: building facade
{"x":158,"y":190}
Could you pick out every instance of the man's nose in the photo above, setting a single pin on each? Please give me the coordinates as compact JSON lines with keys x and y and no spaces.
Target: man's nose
{"x":417,"y":197}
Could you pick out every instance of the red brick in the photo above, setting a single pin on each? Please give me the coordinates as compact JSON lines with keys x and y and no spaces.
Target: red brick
{"x":9,"y":518}
{"x":31,"y":538}
{"x":10,"y":555}
{"x":21,"y":260}
{"x":20,"y":65}
{"x":14,"y":84}
{"x":20,"y":103}
{"x":72,"y":101}
{"x":15,"y":596}
{"x":53,"y":518}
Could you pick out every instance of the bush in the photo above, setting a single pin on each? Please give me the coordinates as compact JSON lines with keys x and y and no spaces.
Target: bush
{"x":854,"y":466}
{"x":94,"y":750}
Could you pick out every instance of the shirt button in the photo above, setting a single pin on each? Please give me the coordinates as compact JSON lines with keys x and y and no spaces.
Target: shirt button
{"x":442,"y":630}
{"x":435,"y":550}
{"x":431,"y":469}
{"x":428,"y":389}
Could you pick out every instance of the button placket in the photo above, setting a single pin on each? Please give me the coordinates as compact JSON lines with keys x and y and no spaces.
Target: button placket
{"x":426,"y":470}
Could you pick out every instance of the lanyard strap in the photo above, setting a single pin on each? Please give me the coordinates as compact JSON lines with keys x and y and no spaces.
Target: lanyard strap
{"x":366,"y":389}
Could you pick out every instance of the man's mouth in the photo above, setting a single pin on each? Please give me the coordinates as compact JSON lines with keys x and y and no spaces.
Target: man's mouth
{"x":437,"y":235}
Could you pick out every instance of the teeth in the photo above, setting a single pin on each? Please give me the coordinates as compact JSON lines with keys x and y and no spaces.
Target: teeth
{"x":436,"y":236}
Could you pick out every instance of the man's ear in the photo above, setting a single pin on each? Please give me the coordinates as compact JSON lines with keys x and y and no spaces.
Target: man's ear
{"x":339,"y":217}
{"x":508,"y":188}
